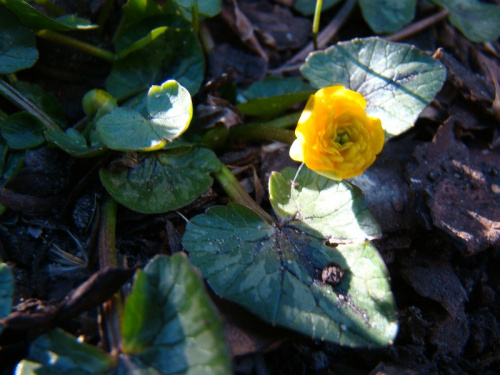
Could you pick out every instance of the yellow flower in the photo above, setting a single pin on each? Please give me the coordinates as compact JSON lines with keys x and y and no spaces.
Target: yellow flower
{"x":335,"y":136}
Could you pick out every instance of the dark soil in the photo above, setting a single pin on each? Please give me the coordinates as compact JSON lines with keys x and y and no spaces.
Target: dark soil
{"x":435,"y":191}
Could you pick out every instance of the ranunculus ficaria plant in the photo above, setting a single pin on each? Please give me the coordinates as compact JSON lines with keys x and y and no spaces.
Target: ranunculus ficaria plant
{"x":335,"y":136}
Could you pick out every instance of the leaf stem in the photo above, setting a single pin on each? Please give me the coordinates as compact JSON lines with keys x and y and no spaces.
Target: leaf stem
{"x":112,"y":309}
{"x":273,"y":130}
{"x":14,"y":96}
{"x":315,"y":27}
{"x":238,"y":194}
{"x":107,"y":236}
{"x":76,"y":44}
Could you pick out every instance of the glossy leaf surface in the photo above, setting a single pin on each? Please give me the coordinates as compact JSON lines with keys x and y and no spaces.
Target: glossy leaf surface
{"x":283,"y":272}
{"x":162,"y":181}
{"x":397,"y":80}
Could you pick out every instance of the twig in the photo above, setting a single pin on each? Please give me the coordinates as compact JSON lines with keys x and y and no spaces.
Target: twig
{"x":418,"y":26}
{"x":323,"y":38}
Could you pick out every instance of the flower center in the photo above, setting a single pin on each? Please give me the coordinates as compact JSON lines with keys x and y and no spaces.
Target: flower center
{"x":342,"y":138}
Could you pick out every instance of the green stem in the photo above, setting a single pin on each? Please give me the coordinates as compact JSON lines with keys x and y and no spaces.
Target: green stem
{"x":315,"y":29}
{"x":196,"y":18}
{"x":112,"y":309}
{"x":238,"y":194}
{"x":273,"y":130}
{"x":262,"y":132}
{"x":76,"y":44}
{"x":14,"y":96}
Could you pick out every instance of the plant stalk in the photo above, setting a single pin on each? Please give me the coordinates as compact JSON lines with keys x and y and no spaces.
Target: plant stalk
{"x":112,"y":309}
{"x":76,"y":44}
{"x":14,"y":96}
{"x":315,"y":28}
{"x":274,"y":130}
{"x":238,"y":194}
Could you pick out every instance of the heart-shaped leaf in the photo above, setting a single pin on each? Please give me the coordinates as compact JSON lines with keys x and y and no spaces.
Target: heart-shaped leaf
{"x":315,"y":203}
{"x":397,"y":80}
{"x":169,"y":327}
{"x":287,"y":275}
{"x":170,"y":108}
{"x":162,"y":181}
{"x":273,"y":95}
{"x":170,"y":112}
{"x":6,"y":291}
{"x":478,"y":21}
{"x":17,"y":44}
{"x":171,"y":323}
{"x":387,"y":16}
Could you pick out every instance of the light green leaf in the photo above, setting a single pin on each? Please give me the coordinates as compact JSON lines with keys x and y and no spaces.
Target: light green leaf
{"x":35,"y":19}
{"x":286,"y":276}
{"x":17,"y":44}
{"x":335,"y":210}
{"x":170,"y":326}
{"x":478,"y":21}
{"x":173,"y":54}
{"x":387,"y":16}
{"x":397,"y":80}
{"x":273,"y":95}
{"x":6,"y":291}
{"x":170,"y":323}
{"x":124,"y":129}
{"x":170,"y":112}
{"x":170,"y":108}
{"x":22,"y":131}
{"x":162,"y":181}
{"x":306,"y":7}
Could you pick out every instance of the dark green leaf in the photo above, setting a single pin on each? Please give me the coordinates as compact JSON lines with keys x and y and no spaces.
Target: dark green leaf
{"x":57,"y":351}
{"x":35,"y":19}
{"x":17,"y":44}
{"x":44,"y":100}
{"x":6,"y":291}
{"x":22,"y":131}
{"x":285,"y":276}
{"x":397,"y":80}
{"x":73,"y":142}
{"x":306,"y":7}
{"x":170,"y":326}
{"x":478,"y":21}
{"x":162,"y":181}
{"x":175,"y":54}
{"x":273,"y":95}
{"x":387,"y":16}
{"x":11,"y":162}
{"x":170,"y":323}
